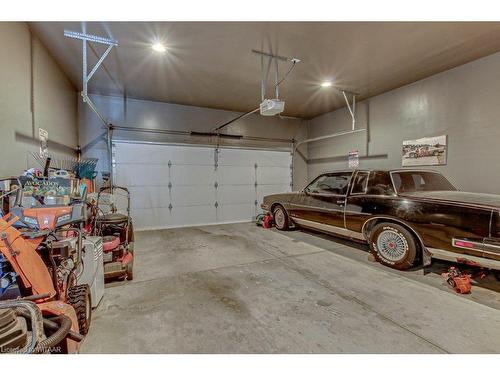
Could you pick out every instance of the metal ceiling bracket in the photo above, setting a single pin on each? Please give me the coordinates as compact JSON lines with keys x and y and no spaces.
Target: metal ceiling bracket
{"x":351,"y":108}
{"x":265,"y":72}
{"x":86,"y":76}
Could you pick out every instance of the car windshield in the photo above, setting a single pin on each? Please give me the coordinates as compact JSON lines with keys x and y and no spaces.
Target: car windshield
{"x":331,"y":184}
{"x":412,"y":181}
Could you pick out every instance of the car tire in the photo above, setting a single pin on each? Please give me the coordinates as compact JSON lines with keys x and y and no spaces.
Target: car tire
{"x":393,"y":245}
{"x":280,"y":218}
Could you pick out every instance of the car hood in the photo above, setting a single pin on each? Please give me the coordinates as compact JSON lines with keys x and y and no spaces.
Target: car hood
{"x":466,"y":198}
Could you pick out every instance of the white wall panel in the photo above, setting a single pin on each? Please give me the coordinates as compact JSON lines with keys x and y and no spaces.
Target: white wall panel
{"x":148,"y":170}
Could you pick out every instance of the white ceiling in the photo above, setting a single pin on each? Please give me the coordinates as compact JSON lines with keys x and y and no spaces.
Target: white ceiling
{"x":210,"y":64}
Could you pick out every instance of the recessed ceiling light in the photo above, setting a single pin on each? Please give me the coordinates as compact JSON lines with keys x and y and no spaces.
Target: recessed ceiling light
{"x":158,"y":47}
{"x":326,"y":84}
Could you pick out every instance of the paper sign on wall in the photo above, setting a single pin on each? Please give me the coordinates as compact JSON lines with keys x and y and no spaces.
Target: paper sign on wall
{"x":44,"y":136}
{"x":353,"y":159}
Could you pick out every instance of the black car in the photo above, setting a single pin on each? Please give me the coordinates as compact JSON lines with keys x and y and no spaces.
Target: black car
{"x":405,"y":215}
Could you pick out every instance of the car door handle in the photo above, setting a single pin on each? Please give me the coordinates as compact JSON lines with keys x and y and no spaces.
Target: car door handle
{"x":341,"y":201}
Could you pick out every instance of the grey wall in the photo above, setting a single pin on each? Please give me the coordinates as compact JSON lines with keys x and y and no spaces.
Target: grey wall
{"x":34,"y":93}
{"x":463,"y":103}
{"x":157,"y":115}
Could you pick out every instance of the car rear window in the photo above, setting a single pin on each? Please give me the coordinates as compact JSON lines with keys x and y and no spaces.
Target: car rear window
{"x":411,"y":181}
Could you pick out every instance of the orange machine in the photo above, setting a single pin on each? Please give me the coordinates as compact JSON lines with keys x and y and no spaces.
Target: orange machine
{"x":35,"y":280}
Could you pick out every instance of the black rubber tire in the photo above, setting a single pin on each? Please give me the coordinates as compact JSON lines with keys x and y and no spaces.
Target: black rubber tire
{"x":411,"y":247}
{"x":130,"y":271}
{"x":286,"y":222}
{"x":131,"y":248}
{"x":79,"y":297}
{"x":131,"y":232}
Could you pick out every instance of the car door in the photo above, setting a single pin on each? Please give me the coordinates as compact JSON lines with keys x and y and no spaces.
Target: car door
{"x":322,"y":202}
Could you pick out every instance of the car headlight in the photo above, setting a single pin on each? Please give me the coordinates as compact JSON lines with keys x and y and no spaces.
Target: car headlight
{"x":30,"y":220}
{"x":63,"y":218}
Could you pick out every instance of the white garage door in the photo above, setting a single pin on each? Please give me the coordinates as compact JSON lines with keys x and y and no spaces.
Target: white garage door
{"x":174,"y":186}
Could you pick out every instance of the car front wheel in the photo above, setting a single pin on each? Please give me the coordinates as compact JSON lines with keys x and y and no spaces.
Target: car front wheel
{"x":393,"y":246}
{"x":280,"y":218}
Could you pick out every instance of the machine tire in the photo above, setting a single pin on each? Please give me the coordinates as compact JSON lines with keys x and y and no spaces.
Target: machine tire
{"x":131,"y":248}
{"x":280,"y":217}
{"x":393,"y":245}
{"x":130,"y":271}
{"x":131,"y":232}
{"x":79,"y":297}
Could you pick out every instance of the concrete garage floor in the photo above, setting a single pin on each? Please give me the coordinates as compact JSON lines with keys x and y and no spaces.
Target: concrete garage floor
{"x":239,"y":288}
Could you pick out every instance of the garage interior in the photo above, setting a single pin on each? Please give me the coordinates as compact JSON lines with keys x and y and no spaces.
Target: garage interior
{"x":171,"y":112}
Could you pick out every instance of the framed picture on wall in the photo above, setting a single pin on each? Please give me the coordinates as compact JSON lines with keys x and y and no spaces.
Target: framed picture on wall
{"x":424,"y":151}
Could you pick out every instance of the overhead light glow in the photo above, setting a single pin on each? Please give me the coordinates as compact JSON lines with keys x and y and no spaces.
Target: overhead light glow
{"x":158,"y":47}
{"x":326,"y":84}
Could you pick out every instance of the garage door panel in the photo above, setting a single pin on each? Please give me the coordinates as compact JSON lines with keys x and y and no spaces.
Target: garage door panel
{"x":140,"y":153}
{"x":193,"y":195}
{"x":143,"y":168}
{"x":192,"y":175}
{"x":195,"y":215}
{"x":236,"y":157}
{"x":233,"y":194}
{"x":149,"y":196}
{"x":227,"y":213}
{"x":272,"y":175}
{"x":234,"y":175}
{"x":151,"y":218}
{"x":141,"y":175}
{"x":273,"y":158}
{"x":192,"y":156}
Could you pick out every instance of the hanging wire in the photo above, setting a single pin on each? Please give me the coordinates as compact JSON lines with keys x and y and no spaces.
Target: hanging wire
{"x":286,"y":75}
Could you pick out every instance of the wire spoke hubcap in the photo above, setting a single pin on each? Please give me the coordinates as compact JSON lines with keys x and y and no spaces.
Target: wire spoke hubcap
{"x":392,"y":245}
{"x":279,"y":218}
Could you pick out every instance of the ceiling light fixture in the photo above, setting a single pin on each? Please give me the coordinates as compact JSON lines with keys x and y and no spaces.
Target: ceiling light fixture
{"x":158,"y":47}
{"x":326,"y":84}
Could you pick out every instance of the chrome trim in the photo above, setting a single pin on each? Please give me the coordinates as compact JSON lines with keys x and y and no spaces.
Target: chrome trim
{"x":451,"y":256}
{"x":357,"y":213}
{"x":491,"y":245}
{"x":366,"y":184}
{"x":315,"y":207}
{"x":491,"y":222}
{"x":329,"y":228}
